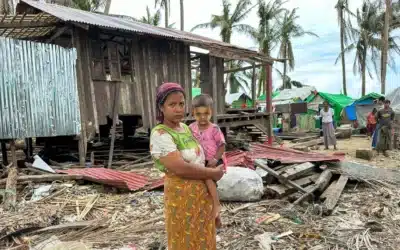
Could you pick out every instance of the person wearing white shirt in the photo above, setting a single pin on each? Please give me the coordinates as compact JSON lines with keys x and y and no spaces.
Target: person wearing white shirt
{"x":328,"y":130}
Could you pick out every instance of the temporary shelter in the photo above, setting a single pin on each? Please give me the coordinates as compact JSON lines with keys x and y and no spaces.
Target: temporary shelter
{"x":359,"y":109}
{"x":236,"y":100}
{"x":336,"y":101}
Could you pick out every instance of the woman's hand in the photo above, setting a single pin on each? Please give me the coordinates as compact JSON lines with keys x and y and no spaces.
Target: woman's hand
{"x":212,"y":163}
{"x":218,"y":172}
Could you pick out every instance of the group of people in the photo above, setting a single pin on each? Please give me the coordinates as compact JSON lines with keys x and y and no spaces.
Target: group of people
{"x":191,"y":157}
{"x":380,"y":125}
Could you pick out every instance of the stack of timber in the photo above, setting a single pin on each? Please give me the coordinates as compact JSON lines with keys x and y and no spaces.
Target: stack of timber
{"x":306,"y":182}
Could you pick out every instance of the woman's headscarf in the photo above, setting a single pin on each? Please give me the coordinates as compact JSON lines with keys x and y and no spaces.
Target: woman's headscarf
{"x":162,"y":93}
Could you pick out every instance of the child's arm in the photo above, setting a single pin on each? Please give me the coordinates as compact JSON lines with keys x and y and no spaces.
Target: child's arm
{"x":212,"y":189}
{"x":220,"y":142}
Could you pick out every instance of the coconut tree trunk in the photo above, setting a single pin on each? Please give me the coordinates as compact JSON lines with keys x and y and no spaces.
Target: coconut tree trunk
{"x":384,"y":55}
{"x":284,"y":68}
{"x":182,"y":16}
{"x":343,"y":56}
{"x":166,"y":9}
{"x":363,"y":72}
{"x":108,"y":6}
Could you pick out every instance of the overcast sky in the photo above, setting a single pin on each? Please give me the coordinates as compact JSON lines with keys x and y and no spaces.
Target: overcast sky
{"x":314,"y":57}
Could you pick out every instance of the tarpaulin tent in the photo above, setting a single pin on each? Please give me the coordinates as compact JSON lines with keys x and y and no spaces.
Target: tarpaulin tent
{"x":352,"y":111}
{"x":262,"y":97}
{"x":336,"y":101}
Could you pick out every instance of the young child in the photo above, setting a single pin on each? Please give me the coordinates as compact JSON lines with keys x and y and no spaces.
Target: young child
{"x":212,"y":141}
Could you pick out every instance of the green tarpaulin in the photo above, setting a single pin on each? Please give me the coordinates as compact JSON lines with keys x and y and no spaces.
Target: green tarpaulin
{"x":262,"y":97}
{"x":337,"y":102}
{"x":196,"y":92}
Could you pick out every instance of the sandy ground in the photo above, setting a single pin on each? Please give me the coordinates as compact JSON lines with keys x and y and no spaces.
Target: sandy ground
{"x":349,"y":147}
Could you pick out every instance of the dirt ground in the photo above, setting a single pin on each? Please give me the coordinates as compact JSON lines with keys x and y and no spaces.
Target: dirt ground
{"x":349,"y":147}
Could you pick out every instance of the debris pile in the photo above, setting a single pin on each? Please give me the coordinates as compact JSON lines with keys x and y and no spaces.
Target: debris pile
{"x":301,"y":201}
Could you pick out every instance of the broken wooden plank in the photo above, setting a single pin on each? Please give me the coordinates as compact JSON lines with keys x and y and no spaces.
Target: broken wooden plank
{"x":67,"y":226}
{"x":327,"y":191}
{"x":279,"y":191}
{"x":283,"y":180}
{"x":44,"y":178}
{"x":320,"y":185}
{"x":333,"y":197}
{"x":305,"y":139}
{"x":297,"y":170}
{"x":10,"y":196}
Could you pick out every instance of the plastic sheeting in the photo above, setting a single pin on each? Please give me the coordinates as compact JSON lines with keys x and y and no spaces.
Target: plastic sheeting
{"x":362,"y":112}
{"x":394,"y":98}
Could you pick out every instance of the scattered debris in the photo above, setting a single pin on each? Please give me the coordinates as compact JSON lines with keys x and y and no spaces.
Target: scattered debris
{"x":365,"y":153}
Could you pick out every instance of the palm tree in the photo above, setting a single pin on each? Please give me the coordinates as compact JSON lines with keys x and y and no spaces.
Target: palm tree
{"x":385,"y":48}
{"x":364,"y":41}
{"x":108,"y":6}
{"x":290,"y":30}
{"x":182,"y":15}
{"x":151,"y":19}
{"x":267,"y":33}
{"x":240,"y":79}
{"x":166,"y":5}
{"x":87,"y":5}
{"x":342,"y":8}
{"x":287,"y":81}
{"x":230,"y":21}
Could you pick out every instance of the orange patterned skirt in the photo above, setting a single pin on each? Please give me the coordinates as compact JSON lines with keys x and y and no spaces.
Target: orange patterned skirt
{"x":188,"y":215}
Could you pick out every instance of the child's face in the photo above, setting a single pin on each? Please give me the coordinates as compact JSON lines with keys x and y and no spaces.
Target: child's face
{"x":202,"y":115}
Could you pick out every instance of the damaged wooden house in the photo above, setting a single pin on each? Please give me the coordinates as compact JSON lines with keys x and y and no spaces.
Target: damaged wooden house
{"x":120,"y":62}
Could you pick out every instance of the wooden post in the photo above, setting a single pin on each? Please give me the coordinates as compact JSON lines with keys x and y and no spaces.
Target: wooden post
{"x":115,"y":118}
{"x":4,"y":153}
{"x":214,"y":82}
{"x":268,"y":95}
{"x":10,"y":197}
{"x":253,"y":86}
{"x":76,"y":41}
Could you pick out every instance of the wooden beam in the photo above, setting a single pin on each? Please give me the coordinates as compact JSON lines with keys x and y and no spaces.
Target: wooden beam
{"x":244,"y":68}
{"x":43,"y":178}
{"x":214,"y":79}
{"x":76,"y":41}
{"x":58,"y":33}
{"x":254,"y":86}
{"x":333,"y":197}
{"x":115,"y":118}
{"x":22,"y":25}
{"x":281,"y":179}
{"x":297,"y":170}
{"x":268,"y":95}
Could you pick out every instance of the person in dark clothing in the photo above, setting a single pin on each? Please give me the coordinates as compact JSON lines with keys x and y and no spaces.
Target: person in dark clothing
{"x":385,"y":119}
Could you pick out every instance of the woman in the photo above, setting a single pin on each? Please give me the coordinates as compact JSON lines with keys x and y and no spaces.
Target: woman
{"x":328,"y":130}
{"x":189,"y":221}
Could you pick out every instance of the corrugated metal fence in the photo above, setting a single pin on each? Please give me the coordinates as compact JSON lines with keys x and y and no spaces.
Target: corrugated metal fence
{"x":38,"y":90}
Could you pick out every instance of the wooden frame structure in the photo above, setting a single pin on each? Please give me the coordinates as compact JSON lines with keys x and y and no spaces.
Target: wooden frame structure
{"x":118,"y":70}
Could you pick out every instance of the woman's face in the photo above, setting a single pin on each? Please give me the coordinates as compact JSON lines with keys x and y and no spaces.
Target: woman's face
{"x":174,"y":107}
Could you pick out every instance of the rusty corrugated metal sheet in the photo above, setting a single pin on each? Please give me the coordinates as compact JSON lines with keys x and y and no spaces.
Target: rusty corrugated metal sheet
{"x":288,"y":156}
{"x":38,"y":90}
{"x":112,"y":22}
{"x":281,"y":154}
{"x":123,"y":180}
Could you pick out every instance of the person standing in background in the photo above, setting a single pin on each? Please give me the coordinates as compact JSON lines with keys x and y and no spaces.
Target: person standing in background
{"x":385,"y":119}
{"x":371,"y":122}
{"x":381,"y":101}
{"x":328,"y":130}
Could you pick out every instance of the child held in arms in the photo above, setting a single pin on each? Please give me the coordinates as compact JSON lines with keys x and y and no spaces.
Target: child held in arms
{"x":212,"y":141}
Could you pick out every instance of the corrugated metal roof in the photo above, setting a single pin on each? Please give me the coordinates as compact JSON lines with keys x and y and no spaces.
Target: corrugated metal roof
{"x":123,"y":180}
{"x":38,"y":90}
{"x":281,"y":154}
{"x":288,"y":156}
{"x":112,"y":22}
